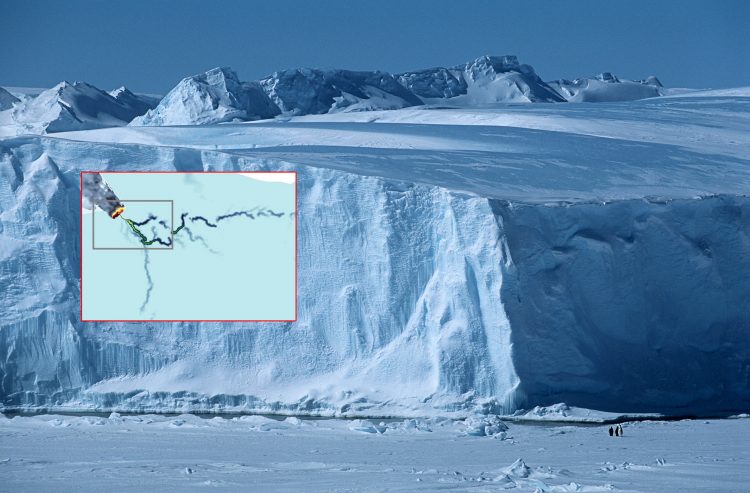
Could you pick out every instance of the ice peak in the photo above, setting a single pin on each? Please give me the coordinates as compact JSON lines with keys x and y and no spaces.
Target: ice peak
{"x":214,"y":96}
{"x":7,"y":100}
{"x":304,"y":91}
{"x":651,"y":80}
{"x":66,"y":87}
{"x":607,"y":77}
{"x":223,"y":77}
{"x":501,"y":63}
{"x":495,"y":64}
{"x":121,"y":91}
{"x":221,"y":73}
{"x":60,"y":87}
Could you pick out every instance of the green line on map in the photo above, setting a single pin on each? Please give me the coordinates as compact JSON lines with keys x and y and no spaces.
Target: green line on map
{"x":145,"y":241}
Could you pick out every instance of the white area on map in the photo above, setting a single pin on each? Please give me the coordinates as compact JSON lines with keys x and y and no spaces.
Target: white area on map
{"x":280,"y":177}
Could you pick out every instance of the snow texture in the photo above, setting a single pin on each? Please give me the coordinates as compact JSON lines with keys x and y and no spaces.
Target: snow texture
{"x":450,"y":262}
{"x":174,"y":453}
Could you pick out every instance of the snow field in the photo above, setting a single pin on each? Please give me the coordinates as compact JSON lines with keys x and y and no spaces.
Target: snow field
{"x":130,"y":453}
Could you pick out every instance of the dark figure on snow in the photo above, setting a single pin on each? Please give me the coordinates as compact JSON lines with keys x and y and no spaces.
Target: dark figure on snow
{"x":617,"y":430}
{"x":611,"y":431}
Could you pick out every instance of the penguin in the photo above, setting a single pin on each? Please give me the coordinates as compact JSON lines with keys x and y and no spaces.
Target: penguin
{"x":611,"y":431}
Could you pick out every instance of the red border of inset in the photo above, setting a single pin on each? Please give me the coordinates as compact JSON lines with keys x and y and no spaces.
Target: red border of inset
{"x":296,"y":229}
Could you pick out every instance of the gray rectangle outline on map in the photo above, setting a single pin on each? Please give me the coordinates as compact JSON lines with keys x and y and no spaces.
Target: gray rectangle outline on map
{"x":171,"y":229}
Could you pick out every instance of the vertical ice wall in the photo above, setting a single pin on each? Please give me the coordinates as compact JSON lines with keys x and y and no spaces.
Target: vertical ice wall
{"x":632,"y":305}
{"x":412,"y":298}
{"x":399,"y":303}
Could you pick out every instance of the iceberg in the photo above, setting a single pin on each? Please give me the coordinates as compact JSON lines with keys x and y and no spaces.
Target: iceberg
{"x":213,"y":97}
{"x":488,"y":79}
{"x":607,"y":87}
{"x":76,"y":106}
{"x":312,"y":91}
{"x":219,"y":96}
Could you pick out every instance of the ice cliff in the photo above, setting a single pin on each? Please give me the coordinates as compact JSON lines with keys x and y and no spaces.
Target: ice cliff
{"x":648,"y":302}
{"x":441,"y":268}
{"x":385,"y":325}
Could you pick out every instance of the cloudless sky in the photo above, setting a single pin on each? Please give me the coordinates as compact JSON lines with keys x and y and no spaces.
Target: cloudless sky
{"x":149,"y":45}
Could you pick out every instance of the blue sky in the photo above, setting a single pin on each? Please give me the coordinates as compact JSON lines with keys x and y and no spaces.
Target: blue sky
{"x":150,"y":45}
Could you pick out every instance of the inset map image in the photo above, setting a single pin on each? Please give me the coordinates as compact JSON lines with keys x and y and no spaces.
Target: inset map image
{"x":188,"y":246}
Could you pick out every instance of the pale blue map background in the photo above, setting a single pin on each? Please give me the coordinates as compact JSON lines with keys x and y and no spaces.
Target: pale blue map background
{"x":244,"y":269}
